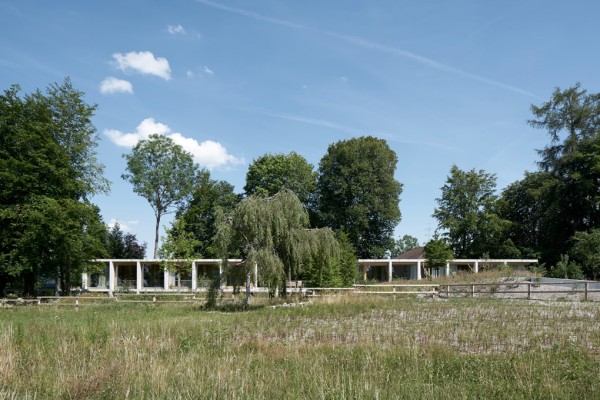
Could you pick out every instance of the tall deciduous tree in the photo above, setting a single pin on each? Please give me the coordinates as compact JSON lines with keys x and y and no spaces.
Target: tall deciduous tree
{"x":530,"y":206}
{"x":199,"y":214}
{"x":48,"y":169}
{"x":161,"y":172}
{"x":357,"y":193}
{"x":270,"y":173}
{"x":466,"y":212}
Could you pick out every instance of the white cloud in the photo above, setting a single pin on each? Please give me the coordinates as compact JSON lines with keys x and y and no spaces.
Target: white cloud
{"x":143,"y":62}
{"x":173,"y":30}
{"x":209,"y":154}
{"x":189,"y":74}
{"x":208,"y":71}
{"x":124,"y":226}
{"x":113,"y":85}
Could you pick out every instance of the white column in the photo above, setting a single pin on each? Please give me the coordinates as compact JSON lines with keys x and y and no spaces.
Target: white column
{"x":166,"y":279}
{"x":139,"y":277}
{"x":476,"y":266}
{"x":255,"y":275}
{"x":447,"y":268}
{"x":194,"y":276}
{"x":111,"y":276}
{"x":418,"y":270}
{"x":84,"y":281}
{"x":390,"y":269}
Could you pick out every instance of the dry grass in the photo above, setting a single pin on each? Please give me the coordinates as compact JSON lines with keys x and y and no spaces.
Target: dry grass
{"x":351,"y":347}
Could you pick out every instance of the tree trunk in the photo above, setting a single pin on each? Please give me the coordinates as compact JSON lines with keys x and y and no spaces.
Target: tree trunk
{"x":29,"y":280}
{"x":3,"y":280}
{"x":156,"y":236}
{"x":248,"y":286}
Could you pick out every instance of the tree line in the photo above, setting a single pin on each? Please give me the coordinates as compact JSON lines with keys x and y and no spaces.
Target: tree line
{"x":552,"y":214}
{"x":293,"y":220}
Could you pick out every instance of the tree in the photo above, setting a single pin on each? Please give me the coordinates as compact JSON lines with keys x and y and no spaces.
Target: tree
{"x":133,"y":250}
{"x":73,"y":130}
{"x":530,"y":205}
{"x":161,"y":172}
{"x":270,"y":173}
{"x":122,"y":245}
{"x":438,"y":253}
{"x":566,"y":269}
{"x":404,"y":244}
{"x":466,"y":211}
{"x":586,"y":249}
{"x":271,"y":233}
{"x":48,"y":169}
{"x":572,"y":162}
{"x":199,"y":214}
{"x":357,"y":193}
{"x":179,"y":245}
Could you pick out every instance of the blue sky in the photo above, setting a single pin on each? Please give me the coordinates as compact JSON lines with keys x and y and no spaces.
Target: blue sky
{"x":444,"y":82}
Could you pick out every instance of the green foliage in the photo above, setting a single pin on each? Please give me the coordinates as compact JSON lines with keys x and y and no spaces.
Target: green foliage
{"x":357,"y":193}
{"x":438,"y":253}
{"x":586,"y":249}
{"x":161,"y":172}
{"x":179,"y":245}
{"x":529,"y":206}
{"x":48,"y":169}
{"x":123,"y":245}
{"x":270,"y":173}
{"x":348,"y":261}
{"x":508,"y":250}
{"x":404,"y":244}
{"x":566,"y":269}
{"x":199,"y":214}
{"x":272,"y":234}
{"x":571,"y":197}
{"x":467,"y":212}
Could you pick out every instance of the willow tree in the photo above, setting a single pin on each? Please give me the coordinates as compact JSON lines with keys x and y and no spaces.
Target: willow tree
{"x":271,"y":233}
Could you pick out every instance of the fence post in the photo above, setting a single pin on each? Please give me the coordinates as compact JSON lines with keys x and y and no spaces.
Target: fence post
{"x":447,"y":291}
{"x":585,"y":295}
{"x":76,"y":304}
{"x":528,"y":290}
{"x":472,"y":290}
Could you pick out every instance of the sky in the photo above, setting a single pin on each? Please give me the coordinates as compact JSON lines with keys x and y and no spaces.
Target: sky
{"x":443,"y":82}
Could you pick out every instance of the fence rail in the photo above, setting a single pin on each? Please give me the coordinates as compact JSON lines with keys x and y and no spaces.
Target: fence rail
{"x":447,"y":290}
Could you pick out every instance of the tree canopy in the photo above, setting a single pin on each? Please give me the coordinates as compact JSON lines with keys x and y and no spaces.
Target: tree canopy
{"x":549,"y":207}
{"x":199,"y":214}
{"x":404,"y":244}
{"x":438,"y":252}
{"x":123,"y":245}
{"x":272,"y":234}
{"x":270,"y":173}
{"x":358,"y":194}
{"x":161,"y":172}
{"x":49,"y":170}
{"x":466,"y":213}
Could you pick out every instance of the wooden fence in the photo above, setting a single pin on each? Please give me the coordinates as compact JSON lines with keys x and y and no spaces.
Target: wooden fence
{"x":447,"y":290}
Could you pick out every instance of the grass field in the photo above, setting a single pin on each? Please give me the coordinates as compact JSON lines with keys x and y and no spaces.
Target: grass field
{"x":340,"y":347}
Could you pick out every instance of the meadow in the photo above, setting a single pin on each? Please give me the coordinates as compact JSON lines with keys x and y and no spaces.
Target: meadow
{"x":339,"y":347}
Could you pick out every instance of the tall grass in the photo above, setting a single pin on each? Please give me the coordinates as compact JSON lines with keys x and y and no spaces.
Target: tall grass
{"x":351,"y":347}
